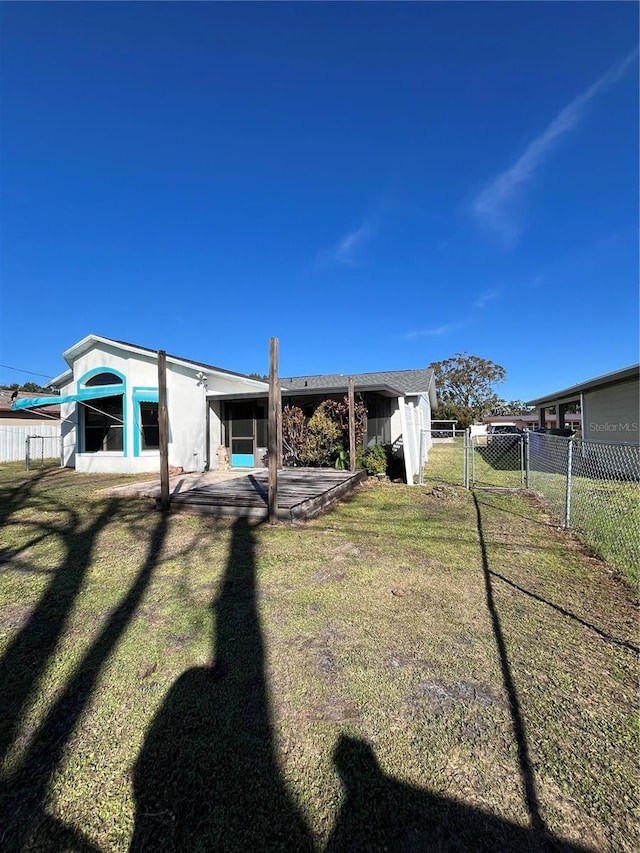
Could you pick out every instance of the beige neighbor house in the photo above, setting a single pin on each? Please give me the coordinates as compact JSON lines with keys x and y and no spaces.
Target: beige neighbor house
{"x":530,"y":420}
{"x":609,"y":406}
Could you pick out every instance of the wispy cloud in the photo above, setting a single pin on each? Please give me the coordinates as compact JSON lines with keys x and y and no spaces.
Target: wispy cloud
{"x":346,"y":249}
{"x":491,"y":206}
{"x":486,"y":297}
{"x":437,"y":331}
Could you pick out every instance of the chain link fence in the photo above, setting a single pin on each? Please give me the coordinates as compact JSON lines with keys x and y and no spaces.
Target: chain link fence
{"x":592,"y":487}
{"x":589,"y":487}
{"x":42,"y":450}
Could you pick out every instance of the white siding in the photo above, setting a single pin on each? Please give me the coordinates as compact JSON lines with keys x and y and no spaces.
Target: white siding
{"x":13,"y":439}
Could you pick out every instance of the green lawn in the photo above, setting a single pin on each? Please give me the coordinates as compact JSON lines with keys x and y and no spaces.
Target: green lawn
{"x":418,"y":669}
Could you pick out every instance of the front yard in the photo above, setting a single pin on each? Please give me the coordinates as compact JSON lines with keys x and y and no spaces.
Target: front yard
{"x":419,"y":669}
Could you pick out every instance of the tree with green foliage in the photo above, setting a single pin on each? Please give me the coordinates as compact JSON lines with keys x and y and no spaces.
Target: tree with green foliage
{"x":30,"y":388}
{"x":511,"y":407}
{"x":464,"y":384}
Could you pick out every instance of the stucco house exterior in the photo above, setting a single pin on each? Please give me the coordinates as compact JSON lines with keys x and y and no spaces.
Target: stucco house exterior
{"x":609,"y":406}
{"x":109,"y":409}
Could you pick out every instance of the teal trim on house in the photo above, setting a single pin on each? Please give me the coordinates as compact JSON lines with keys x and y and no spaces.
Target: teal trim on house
{"x":140,"y":395}
{"x":95,"y":392}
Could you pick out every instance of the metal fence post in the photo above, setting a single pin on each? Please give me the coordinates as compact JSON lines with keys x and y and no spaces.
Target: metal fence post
{"x":26,"y":453}
{"x":567,"y":510}
{"x":473,"y":461}
{"x":465,"y":462}
{"x":527,"y":461}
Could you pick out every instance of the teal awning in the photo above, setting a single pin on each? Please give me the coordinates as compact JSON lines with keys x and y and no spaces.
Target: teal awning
{"x":145,"y":395}
{"x":82,"y":396}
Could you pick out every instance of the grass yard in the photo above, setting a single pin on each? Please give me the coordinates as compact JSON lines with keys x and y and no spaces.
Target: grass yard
{"x":605,"y":514}
{"x":420,"y":669}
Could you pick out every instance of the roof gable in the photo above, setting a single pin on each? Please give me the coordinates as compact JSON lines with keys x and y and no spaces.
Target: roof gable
{"x":90,"y":341}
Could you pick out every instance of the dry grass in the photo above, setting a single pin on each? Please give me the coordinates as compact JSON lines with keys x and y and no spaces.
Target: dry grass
{"x":414,"y":670}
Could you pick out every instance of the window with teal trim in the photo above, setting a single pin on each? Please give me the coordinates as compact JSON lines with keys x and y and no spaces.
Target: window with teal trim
{"x":149,"y":429}
{"x":103,"y":424}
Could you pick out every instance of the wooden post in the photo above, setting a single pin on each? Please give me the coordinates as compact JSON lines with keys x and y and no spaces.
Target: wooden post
{"x":163,"y":429}
{"x":279,"y":423}
{"x":272,"y":452}
{"x":352,"y":425}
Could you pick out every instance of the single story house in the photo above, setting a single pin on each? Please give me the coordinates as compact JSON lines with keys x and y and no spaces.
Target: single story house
{"x":109,"y":406}
{"x":609,"y":406}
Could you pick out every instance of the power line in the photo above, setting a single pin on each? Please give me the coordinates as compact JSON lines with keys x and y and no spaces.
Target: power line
{"x":31,"y":372}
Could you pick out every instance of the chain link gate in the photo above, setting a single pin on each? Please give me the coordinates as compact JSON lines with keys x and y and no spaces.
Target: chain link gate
{"x":496,"y":461}
{"x":41,"y":450}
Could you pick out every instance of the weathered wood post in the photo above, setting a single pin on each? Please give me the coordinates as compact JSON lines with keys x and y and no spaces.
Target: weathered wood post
{"x":272,"y":452}
{"x":279,"y":423}
{"x":163,"y":429}
{"x":352,"y":425}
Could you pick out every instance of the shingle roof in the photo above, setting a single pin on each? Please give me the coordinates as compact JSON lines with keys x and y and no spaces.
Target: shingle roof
{"x":406,"y":381}
{"x":5,"y":403}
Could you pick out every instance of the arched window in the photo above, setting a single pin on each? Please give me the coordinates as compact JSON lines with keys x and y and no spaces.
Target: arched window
{"x":105,"y":378}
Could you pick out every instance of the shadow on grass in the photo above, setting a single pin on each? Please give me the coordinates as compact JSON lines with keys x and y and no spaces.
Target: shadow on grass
{"x":380,"y":813}
{"x":503,"y":456}
{"x":207,"y":776}
{"x":208,"y":779}
{"x":23,"y":792}
{"x":524,"y":759}
{"x":557,"y":607}
{"x":614,"y":640}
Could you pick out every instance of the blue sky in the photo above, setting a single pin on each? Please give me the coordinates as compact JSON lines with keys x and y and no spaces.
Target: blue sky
{"x":378,"y":185}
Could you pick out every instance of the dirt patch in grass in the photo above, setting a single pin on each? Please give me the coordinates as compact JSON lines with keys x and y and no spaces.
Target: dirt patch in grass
{"x":438,"y":697}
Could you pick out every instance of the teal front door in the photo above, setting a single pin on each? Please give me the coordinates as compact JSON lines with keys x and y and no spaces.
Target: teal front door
{"x":242,"y":435}
{"x":242,"y":452}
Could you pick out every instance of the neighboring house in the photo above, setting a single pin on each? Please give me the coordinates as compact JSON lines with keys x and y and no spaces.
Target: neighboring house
{"x":43,"y":415}
{"x":109,"y":404}
{"x":530,"y":420}
{"x":609,"y":406}
{"x":17,"y":425}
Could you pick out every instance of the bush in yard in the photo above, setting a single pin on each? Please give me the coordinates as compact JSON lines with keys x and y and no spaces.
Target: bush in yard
{"x":324,"y":438}
{"x":375,"y":460}
{"x":323,"y":443}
